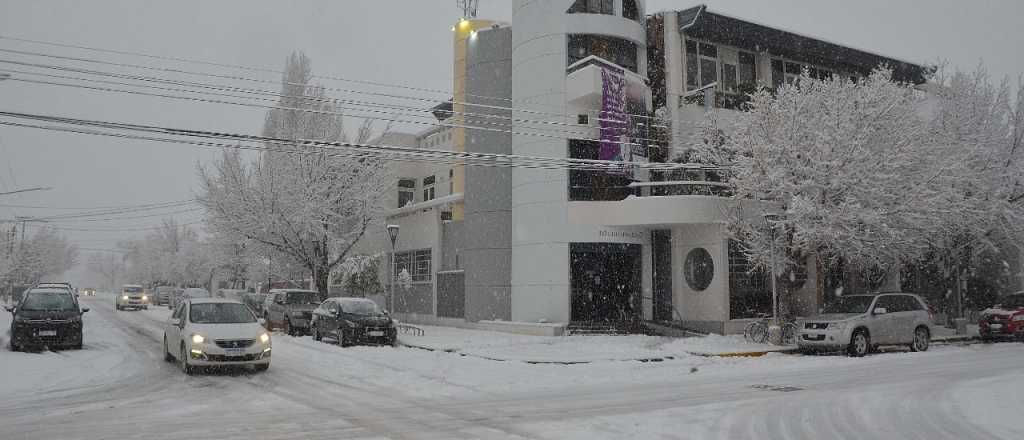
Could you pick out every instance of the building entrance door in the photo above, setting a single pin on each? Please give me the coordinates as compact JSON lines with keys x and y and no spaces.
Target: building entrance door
{"x":605,"y":282}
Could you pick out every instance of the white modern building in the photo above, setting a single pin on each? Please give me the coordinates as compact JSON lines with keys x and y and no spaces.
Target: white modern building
{"x":539,"y":248}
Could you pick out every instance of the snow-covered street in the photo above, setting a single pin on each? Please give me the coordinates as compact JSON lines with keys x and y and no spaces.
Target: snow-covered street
{"x":119,"y":387}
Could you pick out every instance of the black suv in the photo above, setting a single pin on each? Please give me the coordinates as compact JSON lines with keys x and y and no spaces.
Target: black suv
{"x":47,"y":317}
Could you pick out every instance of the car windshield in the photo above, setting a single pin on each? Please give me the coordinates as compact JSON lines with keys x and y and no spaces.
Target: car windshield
{"x":220,"y":313}
{"x":303,"y":298}
{"x":1012,"y":302}
{"x":132,"y":290}
{"x":365,"y":308}
{"x":49,"y":300}
{"x":849,"y":304}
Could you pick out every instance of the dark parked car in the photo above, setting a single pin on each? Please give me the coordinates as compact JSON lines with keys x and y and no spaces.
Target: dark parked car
{"x":290,"y":309}
{"x":162,"y":295}
{"x":47,"y":317}
{"x":353,"y":321}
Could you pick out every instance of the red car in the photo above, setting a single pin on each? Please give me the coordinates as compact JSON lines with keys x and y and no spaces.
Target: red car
{"x":1004,"y":320}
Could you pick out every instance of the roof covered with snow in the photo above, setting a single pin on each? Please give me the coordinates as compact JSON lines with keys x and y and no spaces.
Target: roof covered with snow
{"x":699,"y":22}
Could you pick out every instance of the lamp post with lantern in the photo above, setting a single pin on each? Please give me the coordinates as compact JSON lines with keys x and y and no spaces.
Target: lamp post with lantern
{"x":393,"y":235}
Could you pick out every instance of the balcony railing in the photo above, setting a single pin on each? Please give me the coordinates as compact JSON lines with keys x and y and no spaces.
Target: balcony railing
{"x":726,"y":100}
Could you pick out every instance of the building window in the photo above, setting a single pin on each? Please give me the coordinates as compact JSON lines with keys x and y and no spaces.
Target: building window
{"x":748,"y":287}
{"x":592,"y":7}
{"x":701,"y":64}
{"x":406,"y":192}
{"x":616,"y":50}
{"x":699,"y":269}
{"x":428,"y":188}
{"x":583,"y":119}
{"x":748,"y":70}
{"x":417,"y":263}
{"x":592,"y":185}
{"x":630,"y":10}
{"x":788,"y":72}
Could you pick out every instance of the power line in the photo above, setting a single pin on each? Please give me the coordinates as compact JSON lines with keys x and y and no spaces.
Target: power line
{"x":242,"y":78}
{"x":556,"y":126}
{"x":325,"y":112}
{"x":469,"y":158}
{"x":253,"y":69}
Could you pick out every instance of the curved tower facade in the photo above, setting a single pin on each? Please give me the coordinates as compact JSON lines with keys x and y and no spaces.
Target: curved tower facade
{"x":552,"y":42}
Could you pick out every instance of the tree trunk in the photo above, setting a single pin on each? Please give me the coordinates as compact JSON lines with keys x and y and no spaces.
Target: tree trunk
{"x":320,"y":276}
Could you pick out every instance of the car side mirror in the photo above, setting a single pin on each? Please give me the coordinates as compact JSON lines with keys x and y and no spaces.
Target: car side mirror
{"x":175,"y":321}
{"x":10,"y":308}
{"x":880,"y":311}
{"x":85,"y":309}
{"x":386,"y":312}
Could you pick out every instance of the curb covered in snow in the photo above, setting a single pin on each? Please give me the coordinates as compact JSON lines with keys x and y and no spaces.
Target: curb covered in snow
{"x":535,"y":362}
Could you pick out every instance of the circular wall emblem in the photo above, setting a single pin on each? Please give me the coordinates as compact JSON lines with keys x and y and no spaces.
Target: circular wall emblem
{"x":699,"y":269}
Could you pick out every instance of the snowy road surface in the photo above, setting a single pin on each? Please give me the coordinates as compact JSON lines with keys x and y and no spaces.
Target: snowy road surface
{"x":118,"y":387}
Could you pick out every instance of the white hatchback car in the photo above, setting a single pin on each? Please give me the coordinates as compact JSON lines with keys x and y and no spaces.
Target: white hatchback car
{"x":208,"y":332}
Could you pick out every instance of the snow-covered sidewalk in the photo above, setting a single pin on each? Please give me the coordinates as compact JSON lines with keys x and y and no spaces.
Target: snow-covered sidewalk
{"x":578,"y":349}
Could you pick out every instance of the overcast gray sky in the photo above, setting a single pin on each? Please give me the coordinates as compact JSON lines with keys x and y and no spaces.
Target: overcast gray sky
{"x":389,"y":41}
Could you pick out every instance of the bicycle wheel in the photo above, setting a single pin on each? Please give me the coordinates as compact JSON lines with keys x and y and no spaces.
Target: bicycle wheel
{"x":748,"y":331}
{"x":759,"y":333}
{"x":789,"y":331}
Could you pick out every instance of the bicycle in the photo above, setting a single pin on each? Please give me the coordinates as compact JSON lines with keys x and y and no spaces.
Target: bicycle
{"x":758,"y":331}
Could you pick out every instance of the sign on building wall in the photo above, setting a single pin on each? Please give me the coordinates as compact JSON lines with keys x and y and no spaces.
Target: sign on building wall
{"x":622,"y":132}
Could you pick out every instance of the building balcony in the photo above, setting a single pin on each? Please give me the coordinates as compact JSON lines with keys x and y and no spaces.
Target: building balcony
{"x":585,"y":88}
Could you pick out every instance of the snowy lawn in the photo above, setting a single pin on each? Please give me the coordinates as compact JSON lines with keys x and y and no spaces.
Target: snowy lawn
{"x":575,"y":349}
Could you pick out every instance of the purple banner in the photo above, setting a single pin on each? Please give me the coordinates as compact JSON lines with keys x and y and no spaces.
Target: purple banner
{"x":613,"y":119}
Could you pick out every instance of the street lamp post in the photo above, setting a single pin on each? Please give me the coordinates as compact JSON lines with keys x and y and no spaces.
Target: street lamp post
{"x":393,"y":235}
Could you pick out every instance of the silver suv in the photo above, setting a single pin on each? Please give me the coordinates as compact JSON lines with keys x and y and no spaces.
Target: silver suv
{"x":860,"y":323}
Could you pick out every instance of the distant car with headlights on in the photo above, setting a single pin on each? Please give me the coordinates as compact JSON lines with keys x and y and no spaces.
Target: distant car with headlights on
{"x":1003,"y":321}
{"x":132,"y":296}
{"x":353,"y":321}
{"x":47,"y":317}
{"x":215,"y":332}
{"x":89,"y":291}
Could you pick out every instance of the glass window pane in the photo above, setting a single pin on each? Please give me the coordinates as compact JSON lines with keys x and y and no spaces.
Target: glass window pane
{"x":708,"y":71}
{"x":778,"y":77}
{"x":794,"y":68}
{"x":607,"y":7}
{"x":691,"y":47}
{"x":630,"y":10}
{"x":708,"y":50}
{"x":729,"y":76}
{"x":692,"y":72}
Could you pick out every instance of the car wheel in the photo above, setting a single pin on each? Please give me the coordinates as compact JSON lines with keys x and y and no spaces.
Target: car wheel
{"x":339,"y":335}
{"x":168,"y":357}
{"x":185,"y":367}
{"x":14,"y":347}
{"x":316,"y":334}
{"x":259,"y":368}
{"x":860,"y":344}
{"x":921,"y":339}
{"x":988,"y":339}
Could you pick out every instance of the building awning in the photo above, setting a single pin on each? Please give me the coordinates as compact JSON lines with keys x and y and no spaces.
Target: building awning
{"x":698,"y":22}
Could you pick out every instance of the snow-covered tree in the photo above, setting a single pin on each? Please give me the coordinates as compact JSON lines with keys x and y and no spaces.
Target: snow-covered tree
{"x":850,"y":166}
{"x":360,"y":275}
{"x":171,"y":254}
{"x":297,"y":200}
{"x":46,"y":253}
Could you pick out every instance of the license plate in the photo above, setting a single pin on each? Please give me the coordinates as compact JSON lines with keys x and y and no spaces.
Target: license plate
{"x":235,"y":351}
{"x":375,"y":333}
{"x":47,"y":332}
{"x":995,"y":326}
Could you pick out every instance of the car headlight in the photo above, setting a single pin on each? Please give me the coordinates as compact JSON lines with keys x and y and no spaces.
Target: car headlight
{"x":264,"y":338}
{"x":124,"y":297}
{"x":838,"y":325}
{"x":1018,"y":318}
{"x":198,"y":339}
{"x":144,"y":297}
